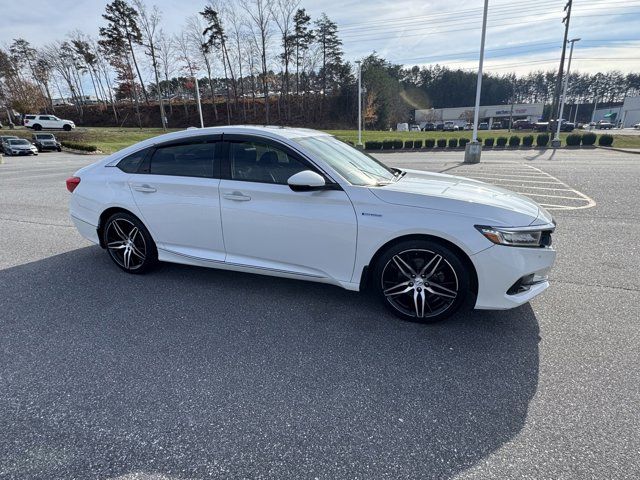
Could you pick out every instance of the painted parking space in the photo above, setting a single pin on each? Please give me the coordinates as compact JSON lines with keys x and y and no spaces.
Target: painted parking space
{"x":547,"y":190}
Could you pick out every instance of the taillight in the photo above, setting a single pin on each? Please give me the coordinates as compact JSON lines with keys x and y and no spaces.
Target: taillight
{"x":72,"y":183}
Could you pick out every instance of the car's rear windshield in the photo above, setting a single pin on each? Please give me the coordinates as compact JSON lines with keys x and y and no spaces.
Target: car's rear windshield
{"x":18,"y":142}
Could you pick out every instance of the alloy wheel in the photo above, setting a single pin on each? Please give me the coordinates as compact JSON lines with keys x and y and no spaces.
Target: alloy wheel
{"x":126,"y":244}
{"x":420,"y":283}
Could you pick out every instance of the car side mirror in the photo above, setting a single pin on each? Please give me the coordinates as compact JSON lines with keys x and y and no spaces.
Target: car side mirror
{"x":306,"y":181}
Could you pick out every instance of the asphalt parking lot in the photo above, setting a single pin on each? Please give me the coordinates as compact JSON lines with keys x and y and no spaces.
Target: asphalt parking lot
{"x":191,"y":373}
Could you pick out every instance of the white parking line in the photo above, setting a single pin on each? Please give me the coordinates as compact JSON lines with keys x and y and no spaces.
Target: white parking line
{"x":521,"y":179}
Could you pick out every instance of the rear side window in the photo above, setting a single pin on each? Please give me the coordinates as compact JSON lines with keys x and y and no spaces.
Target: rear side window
{"x":185,"y":160}
{"x":30,"y":117}
{"x":131,"y":163}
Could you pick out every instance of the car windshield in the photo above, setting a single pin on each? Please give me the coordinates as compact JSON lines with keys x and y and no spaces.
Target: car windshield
{"x":355,"y":166}
{"x":18,"y":142}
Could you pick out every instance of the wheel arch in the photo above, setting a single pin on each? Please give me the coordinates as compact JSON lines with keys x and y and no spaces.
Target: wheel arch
{"x":473,"y":274}
{"x":106,"y":214}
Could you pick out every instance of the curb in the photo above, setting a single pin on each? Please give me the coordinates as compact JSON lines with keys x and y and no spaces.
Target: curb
{"x":624,"y":150}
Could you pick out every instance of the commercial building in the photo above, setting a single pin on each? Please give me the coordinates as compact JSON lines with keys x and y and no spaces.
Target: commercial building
{"x":488,"y":113}
{"x":627,"y":114}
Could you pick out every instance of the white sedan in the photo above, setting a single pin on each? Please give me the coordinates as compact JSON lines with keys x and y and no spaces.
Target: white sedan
{"x":301,"y":204}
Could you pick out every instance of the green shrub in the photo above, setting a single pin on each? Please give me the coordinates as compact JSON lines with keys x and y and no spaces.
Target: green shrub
{"x":372,"y":145}
{"x":429,"y":143}
{"x":417,"y":144}
{"x":79,"y":146}
{"x":514,"y":141}
{"x":573,"y":139}
{"x":527,"y":140}
{"x":588,"y":138}
{"x":542,"y":139}
{"x":605,"y":140}
{"x":398,"y":144}
{"x":453,"y":143}
{"x":488,"y":142}
{"x":501,"y":141}
{"x":463,"y":142}
{"x":442,"y":142}
{"x":387,"y":144}
{"x":408,"y":144}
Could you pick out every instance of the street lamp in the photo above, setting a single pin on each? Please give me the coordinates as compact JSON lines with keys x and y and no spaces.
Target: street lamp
{"x":556,"y":140}
{"x":473,"y":148}
{"x":359,"y":62}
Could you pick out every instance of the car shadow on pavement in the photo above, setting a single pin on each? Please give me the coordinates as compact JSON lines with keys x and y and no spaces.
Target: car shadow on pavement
{"x":192,"y":373}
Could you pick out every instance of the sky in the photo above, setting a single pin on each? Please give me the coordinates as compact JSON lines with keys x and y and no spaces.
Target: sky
{"x":521,"y":36}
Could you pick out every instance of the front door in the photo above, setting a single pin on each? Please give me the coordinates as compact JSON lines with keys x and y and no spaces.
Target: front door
{"x":267,"y":225}
{"x":176,"y":191}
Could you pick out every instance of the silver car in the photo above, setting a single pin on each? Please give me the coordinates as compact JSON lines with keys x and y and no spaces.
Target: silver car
{"x":19,"y":146}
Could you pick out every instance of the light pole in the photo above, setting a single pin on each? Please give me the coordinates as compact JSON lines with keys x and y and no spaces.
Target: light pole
{"x":556,"y":140}
{"x":359,"y":62}
{"x":198,"y":100}
{"x":473,"y":149}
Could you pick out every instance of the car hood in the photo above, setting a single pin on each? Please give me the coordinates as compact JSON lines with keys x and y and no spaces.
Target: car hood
{"x":494,"y":205}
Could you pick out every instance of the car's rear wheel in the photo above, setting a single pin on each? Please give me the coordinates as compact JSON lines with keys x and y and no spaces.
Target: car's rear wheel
{"x":421,"y":280}
{"x":37,"y":127}
{"x":129,"y":243}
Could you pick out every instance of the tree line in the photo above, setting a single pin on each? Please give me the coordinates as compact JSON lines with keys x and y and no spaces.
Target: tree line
{"x":258,"y":61}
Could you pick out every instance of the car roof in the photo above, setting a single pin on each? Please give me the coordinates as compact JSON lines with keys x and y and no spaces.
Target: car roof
{"x":268,"y":131}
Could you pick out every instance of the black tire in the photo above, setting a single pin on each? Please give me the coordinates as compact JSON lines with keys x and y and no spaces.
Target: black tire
{"x":37,"y":127}
{"x":39,"y":149}
{"x":66,"y":128}
{"x":133,"y":251}
{"x":421,"y":290}
{"x":59,"y":149}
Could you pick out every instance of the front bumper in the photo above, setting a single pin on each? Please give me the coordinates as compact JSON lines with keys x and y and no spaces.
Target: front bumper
{"x":500,"y":267}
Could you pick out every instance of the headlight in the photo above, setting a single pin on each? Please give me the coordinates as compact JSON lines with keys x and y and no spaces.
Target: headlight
{"x":539,"y":236}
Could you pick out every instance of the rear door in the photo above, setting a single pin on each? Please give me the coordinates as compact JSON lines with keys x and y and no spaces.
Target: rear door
{"x":176,"y":191}
{"x":269,"y":226}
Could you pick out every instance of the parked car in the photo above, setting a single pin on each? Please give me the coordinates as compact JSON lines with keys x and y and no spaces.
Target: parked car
{"x":45,"y":141}
{"x":468,"y":126}
{"x":414,"y":128}
{"x":47,"y":122}
{"x":565,"y":125}
{"x":6,"y":138}
{"x":603,"y":125}
{"x":496,"y":126}
{"x":429,"y":127}
{"x":483,"y":126}
{"x":323,"y":211}
{"x":541,"y":126}
{"x":440,"y":126}
{"x":19,"y":146}
{"x":522,"y":124}
{"x":637,"y":126}
{"x":450,"y":127}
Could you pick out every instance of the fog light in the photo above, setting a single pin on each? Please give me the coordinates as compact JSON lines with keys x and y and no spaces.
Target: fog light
{"x":524,"y":283}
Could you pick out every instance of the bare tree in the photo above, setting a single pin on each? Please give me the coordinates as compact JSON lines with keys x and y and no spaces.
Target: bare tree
{"x":197,"y":39}
{"x":239,"y":49}
{"x":150,"y":22}
{"x":259,"y":14}
{"x":283,"y":13}
{"x":166,"y":54}
{"x":189,"y":63}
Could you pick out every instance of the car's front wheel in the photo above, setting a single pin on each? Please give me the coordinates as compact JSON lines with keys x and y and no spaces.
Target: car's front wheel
{"x":67,"y":128}
{"x":129,"y":243}
{"x":421,"y":280}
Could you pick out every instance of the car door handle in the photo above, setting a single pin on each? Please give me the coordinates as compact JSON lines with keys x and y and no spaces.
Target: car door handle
{"x":237,"y":196}
{"x":143,"y":187}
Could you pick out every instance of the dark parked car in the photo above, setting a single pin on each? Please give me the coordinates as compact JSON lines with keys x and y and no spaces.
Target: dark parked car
{"x":496,"y":126}
{"x":429,"y":127}
{"x":523,"y":125}
{"x":440,"y":126}
{"x":565,"y":125}
{"x":45,"y":141}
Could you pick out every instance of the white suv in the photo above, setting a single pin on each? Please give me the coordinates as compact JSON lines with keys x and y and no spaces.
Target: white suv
{"x":39,"y":122}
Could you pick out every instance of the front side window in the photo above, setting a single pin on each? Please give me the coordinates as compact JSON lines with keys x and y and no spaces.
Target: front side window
{"x":44,"y":118}
{"x":259,"y":162}
{"x":185,"y":160}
